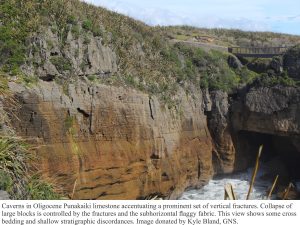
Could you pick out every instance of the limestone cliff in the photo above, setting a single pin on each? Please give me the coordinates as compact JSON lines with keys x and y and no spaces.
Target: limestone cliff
{"x":115,"y":143}
{"x":263,"y":112}
{"x":81,"y":55}
{"x":118,"y":112}
{"x":220,"y":130}
{"x":115,"y":110}
{"x":269,"y":116}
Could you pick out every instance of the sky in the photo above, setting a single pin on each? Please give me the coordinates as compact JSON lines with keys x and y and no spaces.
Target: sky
{"x":253,"y":15}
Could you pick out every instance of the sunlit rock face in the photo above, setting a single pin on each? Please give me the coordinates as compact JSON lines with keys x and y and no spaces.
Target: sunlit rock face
{"x":115,"y":143}
{"x":109,"y":142}
{"x":118,"y":143}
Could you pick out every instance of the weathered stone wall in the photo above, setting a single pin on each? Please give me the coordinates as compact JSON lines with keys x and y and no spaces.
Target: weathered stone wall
{"x":115,"y":143}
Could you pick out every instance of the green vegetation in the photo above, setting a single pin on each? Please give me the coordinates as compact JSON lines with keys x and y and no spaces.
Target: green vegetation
{"x":246,"y":75}
{"x":39,"y":188}
{"x":294,"y":51}
{"x":87,"y":24}
{"x":146,"y":59}
{"x":13,"y":164}
{"x":229,"y":37}
{"x":3,"y":85}
{"x":90,"y":26}
{"x":147,"y":66}
{"x":14,"y":30}
{"x":29,"y":81}
{"x":69,"y":122}
{"x":211,"y":70}
{"x":129,"y":80}
{"x":16,"y":160}
{"x":87,"y":40}
{"x":14,"y":172}
{"x":181,"y":37}
{"x":76,"y":31}
{"x":270,"y":80}
{"x":6,"y":182}
{"x":92,"y":78}
{"x":62,"y":64}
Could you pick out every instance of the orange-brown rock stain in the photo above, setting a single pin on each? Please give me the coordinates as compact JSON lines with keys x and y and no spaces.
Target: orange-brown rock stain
{"x":110,"y":146}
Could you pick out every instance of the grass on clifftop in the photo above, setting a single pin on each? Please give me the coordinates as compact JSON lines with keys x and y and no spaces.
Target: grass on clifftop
{"x":146,"y":60}
{"x":211,"y":69}
{"x":18,"y":21}
{"x":229,"y":37}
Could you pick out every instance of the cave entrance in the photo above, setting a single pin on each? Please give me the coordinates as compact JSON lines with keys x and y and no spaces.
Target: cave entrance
{"x":282,"y":148}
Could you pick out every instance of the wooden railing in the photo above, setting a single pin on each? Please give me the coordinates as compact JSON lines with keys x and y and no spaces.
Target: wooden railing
{"x":259,"y":52}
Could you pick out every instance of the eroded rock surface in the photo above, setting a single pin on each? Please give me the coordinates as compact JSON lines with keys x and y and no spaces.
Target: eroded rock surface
{"x":219,"y":126}
{"x":81,"y":55}
{"x":269,"y":110}
{"x":115,"y":143}
{"x":268,"y":116}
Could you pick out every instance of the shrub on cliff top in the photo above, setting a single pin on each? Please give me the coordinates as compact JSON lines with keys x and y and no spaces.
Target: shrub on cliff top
{"x":294,"y":51}
{"x":209,"y":69}
{"x":270,"y":80}
{"x":229,"y":37}
{"x":142,"y":51}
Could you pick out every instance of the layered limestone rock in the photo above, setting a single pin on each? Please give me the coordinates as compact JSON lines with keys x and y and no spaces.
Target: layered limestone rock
{"x":268,"y":116}
{"x":219,"y":126}
{"x":115,"y":143}
{"x":268,"y":110}
{"x":80,"y":55}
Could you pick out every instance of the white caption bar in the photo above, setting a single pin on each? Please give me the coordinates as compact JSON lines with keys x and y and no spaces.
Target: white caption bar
{"x":149,"y":212}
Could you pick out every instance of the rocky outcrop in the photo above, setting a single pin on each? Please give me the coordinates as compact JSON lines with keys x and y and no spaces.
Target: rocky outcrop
{"x":264,"y":65}
{"x":276,"y":65}
{"x":291,"y":62}
{"x":268,"y":116}
{"x":219,"y":126}
{"x":115,"y":143}
{"x":278,"y":105}
{"x":75,"y":55}
{"x":239,"y":123}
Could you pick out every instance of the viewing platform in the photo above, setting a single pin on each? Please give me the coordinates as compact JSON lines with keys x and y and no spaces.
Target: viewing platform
{"x":257,"y":52}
